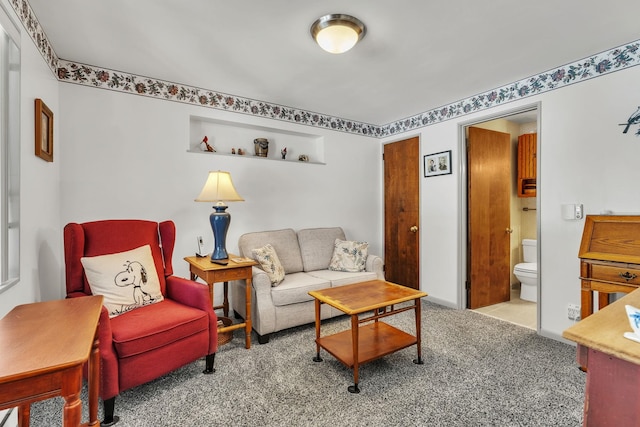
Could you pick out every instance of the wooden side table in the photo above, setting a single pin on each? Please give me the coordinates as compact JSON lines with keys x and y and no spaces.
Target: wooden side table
{"x":211,"y":273}
{"x":44,"y":347}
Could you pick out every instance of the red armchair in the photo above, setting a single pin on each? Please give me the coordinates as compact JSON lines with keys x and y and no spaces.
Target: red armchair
{"x":147,"y":342}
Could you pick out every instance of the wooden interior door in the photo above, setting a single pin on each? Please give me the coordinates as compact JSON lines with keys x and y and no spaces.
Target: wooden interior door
{"x":489,"y":217}
{"x":402,"y":212}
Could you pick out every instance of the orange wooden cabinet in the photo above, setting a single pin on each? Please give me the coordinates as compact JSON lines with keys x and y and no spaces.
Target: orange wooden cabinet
{"x":527,"y":158}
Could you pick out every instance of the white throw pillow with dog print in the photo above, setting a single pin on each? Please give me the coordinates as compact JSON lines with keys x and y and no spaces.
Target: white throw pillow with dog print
{"x":127,"y":280}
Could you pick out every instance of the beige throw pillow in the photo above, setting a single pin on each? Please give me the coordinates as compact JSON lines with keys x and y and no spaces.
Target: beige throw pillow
{"x":349,"y":256}
{"x":270,"y":263}
{"x":127,"y":280}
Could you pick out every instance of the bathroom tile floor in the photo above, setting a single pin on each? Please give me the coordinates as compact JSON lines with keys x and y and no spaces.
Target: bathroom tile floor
{"x":516,"y":311}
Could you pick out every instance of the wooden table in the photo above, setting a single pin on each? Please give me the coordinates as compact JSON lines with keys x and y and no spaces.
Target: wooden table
{"x":211,"y":273}
{"x":44,"y":347}
{"x":375,"y":339}
{"x":613,"y":365}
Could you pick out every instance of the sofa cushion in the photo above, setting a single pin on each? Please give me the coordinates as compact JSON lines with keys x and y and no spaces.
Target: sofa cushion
{"x":127,"y":280}
{"x":341,"y":278}
{"x":270,"y":263}
{"x":349,"y":256}
{"x":154,"y":326}
{"x":295,"y":288}
{"x":285,"y":242}
{"x":316,"y":246}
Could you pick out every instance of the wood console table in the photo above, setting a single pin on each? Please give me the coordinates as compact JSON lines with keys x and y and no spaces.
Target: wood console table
{"x":609,"y":258}
{"x":613,"y":365}
{"x":44,"y":348}
{"x":211,"y":273}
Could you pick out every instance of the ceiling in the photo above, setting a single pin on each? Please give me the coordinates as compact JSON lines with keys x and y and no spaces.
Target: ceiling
{"x":417,"y":55}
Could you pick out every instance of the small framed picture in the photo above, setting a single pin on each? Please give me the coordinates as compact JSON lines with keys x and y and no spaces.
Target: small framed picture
{"x":44,"y":131}
{"x":437,"y":164}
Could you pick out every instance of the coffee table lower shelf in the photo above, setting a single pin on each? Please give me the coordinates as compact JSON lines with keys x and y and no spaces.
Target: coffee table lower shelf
{"x":376,"y":339}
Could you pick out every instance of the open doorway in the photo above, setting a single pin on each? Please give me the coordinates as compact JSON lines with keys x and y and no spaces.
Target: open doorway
{"x":499,"y":295}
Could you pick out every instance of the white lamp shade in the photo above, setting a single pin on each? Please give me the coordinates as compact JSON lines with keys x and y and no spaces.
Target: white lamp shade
{"x":219,"y":188}
{"x":337,"y":38}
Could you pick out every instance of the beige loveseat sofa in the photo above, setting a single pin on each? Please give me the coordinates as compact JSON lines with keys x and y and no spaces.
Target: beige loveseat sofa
{"x":305,"y":257}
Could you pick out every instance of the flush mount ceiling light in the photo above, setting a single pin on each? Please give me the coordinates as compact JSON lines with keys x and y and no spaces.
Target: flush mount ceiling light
{"x":337,"y":33}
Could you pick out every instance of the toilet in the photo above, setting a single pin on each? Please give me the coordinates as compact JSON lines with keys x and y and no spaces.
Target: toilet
{"x":527,"y":272}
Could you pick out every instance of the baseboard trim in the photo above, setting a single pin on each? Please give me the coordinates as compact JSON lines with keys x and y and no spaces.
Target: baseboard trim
{"x":442,"y":302}
{"x":555,"y":336}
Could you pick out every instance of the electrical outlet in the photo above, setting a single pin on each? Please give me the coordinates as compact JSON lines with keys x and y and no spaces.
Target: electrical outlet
{"x":573,"y":312}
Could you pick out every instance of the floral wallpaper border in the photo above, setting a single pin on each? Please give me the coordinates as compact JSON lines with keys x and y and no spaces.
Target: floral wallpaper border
{"x":104,"y":78}
{"x":606,"y":62}
{"x":32,"y":25}
{"x":616,"y":59}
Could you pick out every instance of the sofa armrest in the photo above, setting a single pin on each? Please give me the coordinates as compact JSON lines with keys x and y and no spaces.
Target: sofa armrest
{"x":261,"y":282}
{"x":189,"y":293}
{"x":109,"y":378}
{"x":196,"y":295}
{"x":375,"y":264}
{"x":263,"y":311}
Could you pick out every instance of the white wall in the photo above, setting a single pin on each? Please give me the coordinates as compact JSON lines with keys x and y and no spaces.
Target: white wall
{"x":40,"y":248}
{"x":40,"y":245}
{"x":584,"y":158}
{"x":125,"y":156}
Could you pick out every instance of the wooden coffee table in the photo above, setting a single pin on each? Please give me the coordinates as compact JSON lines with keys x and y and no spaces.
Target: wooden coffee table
{"x":374,"y":339}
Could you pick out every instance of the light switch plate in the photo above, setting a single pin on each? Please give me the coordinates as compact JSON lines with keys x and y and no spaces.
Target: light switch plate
{"x":572,"y":211}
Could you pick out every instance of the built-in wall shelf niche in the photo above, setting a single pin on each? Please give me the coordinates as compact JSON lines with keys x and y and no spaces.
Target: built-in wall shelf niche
{"x":226,"y":136}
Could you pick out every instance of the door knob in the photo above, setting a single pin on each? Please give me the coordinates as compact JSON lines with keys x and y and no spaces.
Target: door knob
{"x":509,"y":230}
{"x":414,"y":229}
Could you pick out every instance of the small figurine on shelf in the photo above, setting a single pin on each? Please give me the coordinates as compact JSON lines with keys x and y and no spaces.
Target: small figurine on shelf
{"x":241,"y":151}
{"x":206,"y":144}
{"x":284,"y":153}
{"x":233,"y":151}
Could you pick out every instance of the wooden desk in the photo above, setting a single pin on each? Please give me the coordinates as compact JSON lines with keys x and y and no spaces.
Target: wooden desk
{"x":609,"y":258}
{"x":613,"y":365}
{"x":211,"y":273}
{"x":376,"y":339}
{"x":44,"y":347}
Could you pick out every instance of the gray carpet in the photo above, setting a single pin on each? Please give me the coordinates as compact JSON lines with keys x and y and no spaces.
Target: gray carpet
{"x":478,"y":371}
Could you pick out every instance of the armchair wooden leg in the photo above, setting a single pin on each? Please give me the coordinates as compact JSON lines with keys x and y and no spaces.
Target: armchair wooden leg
{"x":109,"y":418}
{"x":209,"y":364}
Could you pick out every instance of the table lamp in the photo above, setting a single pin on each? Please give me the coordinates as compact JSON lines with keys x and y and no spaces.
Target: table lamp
{"x":219,"y":189}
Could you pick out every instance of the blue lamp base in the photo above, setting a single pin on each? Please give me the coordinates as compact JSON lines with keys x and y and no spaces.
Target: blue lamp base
{"x":219,"y":220}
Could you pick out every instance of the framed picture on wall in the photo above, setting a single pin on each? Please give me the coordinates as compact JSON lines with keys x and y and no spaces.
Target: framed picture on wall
{"x":437,"y":164}
{"x":44,"y":131}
